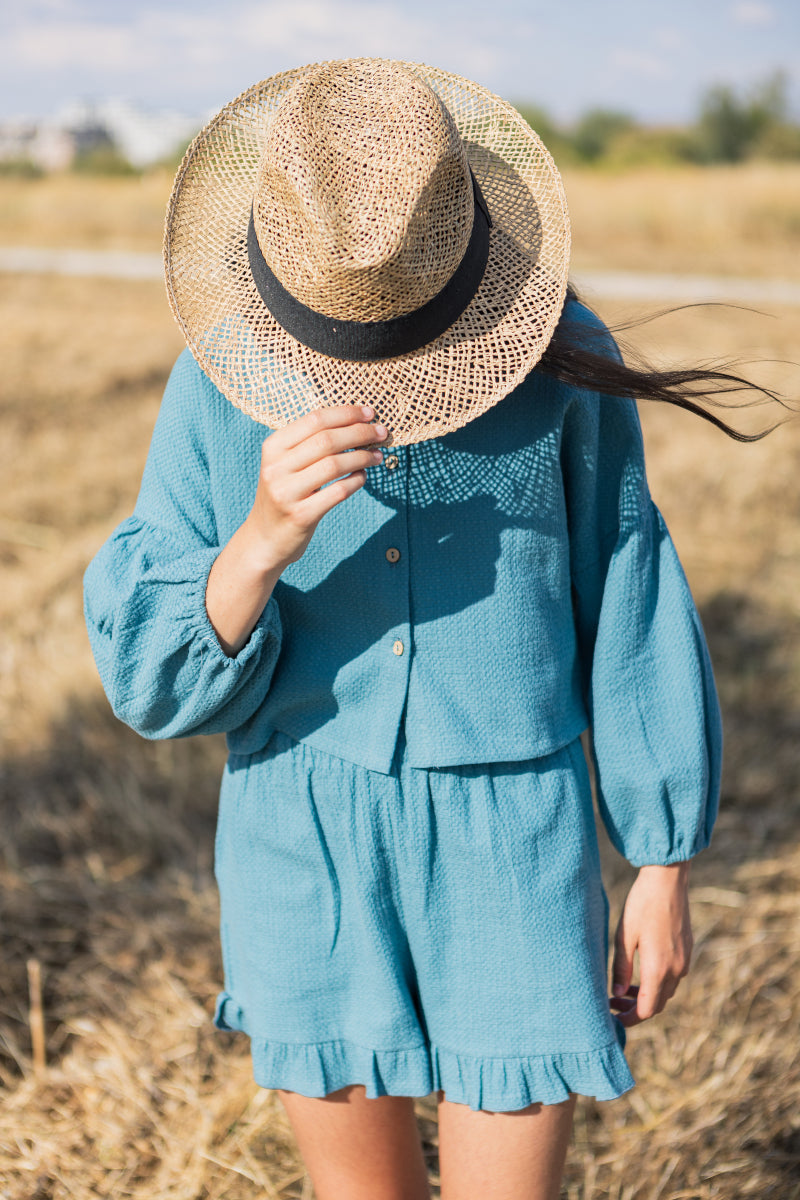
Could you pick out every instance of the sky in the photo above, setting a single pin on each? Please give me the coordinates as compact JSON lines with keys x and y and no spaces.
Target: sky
{"x":653,"y":60}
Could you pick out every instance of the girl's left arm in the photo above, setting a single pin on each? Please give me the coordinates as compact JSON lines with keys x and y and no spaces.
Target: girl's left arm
{"x":649,"y":688}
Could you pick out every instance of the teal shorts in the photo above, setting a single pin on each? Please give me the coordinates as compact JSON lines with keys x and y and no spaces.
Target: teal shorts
{"x":425,"y":930}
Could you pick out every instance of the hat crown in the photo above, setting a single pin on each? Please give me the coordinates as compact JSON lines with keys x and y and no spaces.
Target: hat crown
{"x":364,"y":205}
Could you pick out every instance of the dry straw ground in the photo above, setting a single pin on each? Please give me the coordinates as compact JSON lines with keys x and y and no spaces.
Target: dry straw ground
{"x":105,"y":869}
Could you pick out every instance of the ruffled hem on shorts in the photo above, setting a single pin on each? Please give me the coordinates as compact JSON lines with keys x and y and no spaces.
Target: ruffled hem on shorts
{"x":493,"y":1084}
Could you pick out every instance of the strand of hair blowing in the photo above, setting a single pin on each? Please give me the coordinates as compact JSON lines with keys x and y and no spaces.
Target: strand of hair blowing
{"x":570,"y":358}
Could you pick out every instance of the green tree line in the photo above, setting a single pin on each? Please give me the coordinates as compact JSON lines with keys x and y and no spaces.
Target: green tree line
{"x":731,"y":126}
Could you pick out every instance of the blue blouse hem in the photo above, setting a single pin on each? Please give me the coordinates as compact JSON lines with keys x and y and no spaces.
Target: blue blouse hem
{"x":443,"y":757}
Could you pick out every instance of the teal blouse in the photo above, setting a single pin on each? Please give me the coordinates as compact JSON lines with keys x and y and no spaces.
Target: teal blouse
{"x":495,"y":590}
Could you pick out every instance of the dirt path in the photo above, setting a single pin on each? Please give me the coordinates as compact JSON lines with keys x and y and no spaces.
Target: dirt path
{"x":612,"y":285}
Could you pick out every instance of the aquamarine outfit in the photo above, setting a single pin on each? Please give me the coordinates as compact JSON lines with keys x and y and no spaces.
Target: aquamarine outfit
{"x":406,"y":850}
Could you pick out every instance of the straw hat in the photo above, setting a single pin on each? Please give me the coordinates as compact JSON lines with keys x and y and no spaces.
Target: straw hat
{"x":367,"y":231}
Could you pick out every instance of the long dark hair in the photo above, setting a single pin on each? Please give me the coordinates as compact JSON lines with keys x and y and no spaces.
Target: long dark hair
{"x":571,"y":358}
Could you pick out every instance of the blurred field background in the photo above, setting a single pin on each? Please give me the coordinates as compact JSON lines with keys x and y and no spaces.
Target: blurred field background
{"x":106,"y":863}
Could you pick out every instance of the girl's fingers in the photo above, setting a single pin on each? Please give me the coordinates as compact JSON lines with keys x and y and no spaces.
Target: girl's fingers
{"x":317,"y":422}
{"x":641,"y":1002}
{"x":624,"y":1007}
{"x":627,"y":1002}
{"x":327,"y":443}
{"x":314,"y":508}
{"x":621,"y":971}
{"x":624,"y":947}
{"x":290,"y":502}
{"x":303,"y":484}
{"x":659,"y":979}
{"x":649,"y":1001}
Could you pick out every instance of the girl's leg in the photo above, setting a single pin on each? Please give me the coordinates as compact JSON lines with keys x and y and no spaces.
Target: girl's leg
{"x":359,"y":1149}
{"x":506,"y":1155}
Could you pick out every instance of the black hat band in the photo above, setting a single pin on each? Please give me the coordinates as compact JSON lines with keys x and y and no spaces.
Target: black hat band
{"x":370,"y":341}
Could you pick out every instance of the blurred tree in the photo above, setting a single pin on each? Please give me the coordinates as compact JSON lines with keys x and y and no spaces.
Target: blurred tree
{"x":102,"y":160}
{"x":596,"y":130}
{"x":656,"y":146}
{"x":555,"y":139}
{"x":731,"y":127}
{"x":780,"y":142}
{"x":20,"y":168}
{"x":540,"y":120}
{"x":174,"y":159}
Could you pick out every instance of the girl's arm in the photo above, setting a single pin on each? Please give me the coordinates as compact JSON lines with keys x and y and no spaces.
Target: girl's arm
{"x":656,"y":735}
{"x":159,"y":656}
{"x":649,"y":688}
{"x":333,"y":447}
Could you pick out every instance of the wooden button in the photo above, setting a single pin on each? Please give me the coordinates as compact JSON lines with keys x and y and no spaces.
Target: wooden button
{"x":392,"y":554}
{"x":391,"y":462}
{"x":398,"y":648}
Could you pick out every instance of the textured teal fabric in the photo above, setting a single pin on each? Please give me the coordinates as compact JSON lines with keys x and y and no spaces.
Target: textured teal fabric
{"x":417,"y":930}
{"x":537,"y":590}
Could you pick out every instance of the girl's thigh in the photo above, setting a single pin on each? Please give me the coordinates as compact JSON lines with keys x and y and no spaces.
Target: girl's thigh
{"x":503,"y":1155}
{"x":355,"y":1148}
{"x":360,"y":1149}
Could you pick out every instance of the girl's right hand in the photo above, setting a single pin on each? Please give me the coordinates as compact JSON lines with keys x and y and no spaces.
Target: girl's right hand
{"x":297,"y":461}
{"x":331,"y":446}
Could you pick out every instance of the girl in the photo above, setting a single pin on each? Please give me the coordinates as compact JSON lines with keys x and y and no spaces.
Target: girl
{"x":403,"y":606}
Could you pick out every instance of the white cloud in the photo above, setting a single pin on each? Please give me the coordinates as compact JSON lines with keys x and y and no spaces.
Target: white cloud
{"x":669,"y":38}
{"x":753,"y":14}
{"x":639,"y":62}
{"x":78,"y":45}
{"x":36,"y":9}
{"x":297,"y":29}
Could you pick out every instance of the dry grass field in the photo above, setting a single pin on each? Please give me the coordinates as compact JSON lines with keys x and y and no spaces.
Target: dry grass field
{"x":105,"y":868}
{"x":722,"y":220}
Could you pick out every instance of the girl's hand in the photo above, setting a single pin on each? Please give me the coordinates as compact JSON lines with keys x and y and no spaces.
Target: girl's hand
{"x":296,"y":462}
{"x":655,"y":921}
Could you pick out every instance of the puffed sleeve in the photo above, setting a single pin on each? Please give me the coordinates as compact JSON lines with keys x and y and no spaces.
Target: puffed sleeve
{"x":647,"y":678}
{"x":158,"y":656}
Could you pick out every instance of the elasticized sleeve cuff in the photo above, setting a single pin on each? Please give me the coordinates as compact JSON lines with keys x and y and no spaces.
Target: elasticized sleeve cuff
{"x":264,"y":629}
{"x":157,"y":652}
{"x":646,"y":857}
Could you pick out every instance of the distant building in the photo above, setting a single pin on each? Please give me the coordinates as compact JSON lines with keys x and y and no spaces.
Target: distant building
{"x":51,"y":148}
{"x":140,"y":137}
{"x":146,"y":137}
{"x":15,"y":139}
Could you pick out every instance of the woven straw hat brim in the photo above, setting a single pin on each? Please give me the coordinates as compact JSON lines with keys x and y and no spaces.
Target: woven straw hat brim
{"x":483,"y":356}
